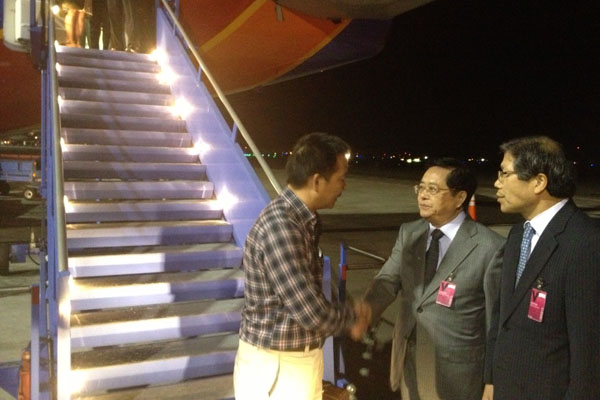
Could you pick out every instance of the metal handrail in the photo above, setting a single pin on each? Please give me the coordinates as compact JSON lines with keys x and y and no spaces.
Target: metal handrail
{"x":365,"y":253}
{"x":59,"y":194}
{"x":226,"y":104}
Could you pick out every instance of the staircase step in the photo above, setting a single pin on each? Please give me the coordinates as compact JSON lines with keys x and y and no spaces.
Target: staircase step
{"x":133,"y":170}
{"x":126,"y":138}
{"x":106,"y":55}
{"x":155,"y":259}
{"x":144,"y":86}
{"x":214,"y":387}
{"x":115,"y":96}
{"x":114,"y":109}
{"x":154,"y":363}
{"x":68,"y":72}
{"x":143,"y":210}
{"x":104,"y":63}
{"x":122,"y":234}
{"x":158,"y":322}
{"x":138,"y":290}
{"x":138,"y":190}
{"x":122,"y":122}
{"x":82,"y":152}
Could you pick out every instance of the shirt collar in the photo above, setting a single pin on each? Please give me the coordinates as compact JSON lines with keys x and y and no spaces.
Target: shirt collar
{"x":449,"y":230}
{"x":300,"y":209}
{"x":541,"y":221}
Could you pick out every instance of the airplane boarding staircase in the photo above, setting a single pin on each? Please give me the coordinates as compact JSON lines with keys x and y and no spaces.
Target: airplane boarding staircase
{"x":140,"y":284}
{"x":157,"y":287}
{"x":156,"y":209}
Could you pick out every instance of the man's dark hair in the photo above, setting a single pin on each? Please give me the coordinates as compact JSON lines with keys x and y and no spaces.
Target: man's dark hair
{"x":460,"y":177}
{"x":541,"y":155}
{"x":314,"y":153}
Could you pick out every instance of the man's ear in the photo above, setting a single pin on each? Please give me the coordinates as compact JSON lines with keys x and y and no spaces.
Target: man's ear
{"x":541,"y":183}
{"x":461,"y":197}
{"x":313,"y":182}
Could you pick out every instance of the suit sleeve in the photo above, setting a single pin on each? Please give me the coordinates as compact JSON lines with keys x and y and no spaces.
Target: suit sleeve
{"x":493,"y":319}
{"x":491,"y":284}
{"x":582,"y":311}
{"x":387,"y":283}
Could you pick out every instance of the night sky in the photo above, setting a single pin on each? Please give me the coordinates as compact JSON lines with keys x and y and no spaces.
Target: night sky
{"x":455,"y":78}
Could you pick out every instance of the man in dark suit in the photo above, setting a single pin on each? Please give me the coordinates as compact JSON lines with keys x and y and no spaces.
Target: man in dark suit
{"x":445,"y":268}
{"x":544,"y":340}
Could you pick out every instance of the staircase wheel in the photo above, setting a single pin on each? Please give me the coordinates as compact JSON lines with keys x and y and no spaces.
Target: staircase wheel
{"x":28,"y":194}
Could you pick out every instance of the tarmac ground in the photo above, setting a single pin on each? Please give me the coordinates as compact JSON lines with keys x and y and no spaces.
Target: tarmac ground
{"x":366,"y":216}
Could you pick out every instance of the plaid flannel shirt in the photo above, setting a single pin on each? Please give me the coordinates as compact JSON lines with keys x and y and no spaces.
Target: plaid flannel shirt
{"x":285,"y":307}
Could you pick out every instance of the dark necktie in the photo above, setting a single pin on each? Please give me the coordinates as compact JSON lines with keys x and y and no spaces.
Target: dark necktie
{"x":528,"y":233}
{"x":433,"y":253}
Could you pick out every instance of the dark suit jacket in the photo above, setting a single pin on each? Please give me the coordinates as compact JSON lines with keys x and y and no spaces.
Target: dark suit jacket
{"x":557,"y":358}
{"x":450,"y":340}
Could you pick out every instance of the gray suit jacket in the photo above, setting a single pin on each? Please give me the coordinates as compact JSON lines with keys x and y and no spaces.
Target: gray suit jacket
{"x":450,"y":341}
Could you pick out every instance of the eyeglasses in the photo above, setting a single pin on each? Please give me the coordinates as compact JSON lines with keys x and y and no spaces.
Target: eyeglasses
{"x":504,"y":174}
{"x":431,"y":189}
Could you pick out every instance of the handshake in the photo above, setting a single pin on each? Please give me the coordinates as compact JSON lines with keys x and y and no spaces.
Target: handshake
{"x":362,"y":310}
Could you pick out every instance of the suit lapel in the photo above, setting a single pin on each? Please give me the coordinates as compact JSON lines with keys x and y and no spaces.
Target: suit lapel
{"x":537,"y":260}
{"x":462,"y":245}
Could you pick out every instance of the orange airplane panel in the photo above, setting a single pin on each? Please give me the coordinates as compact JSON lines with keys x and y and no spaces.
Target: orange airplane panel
{"x":258,"y":47}
{"x":203,"y":19}
{"x":20,"y":85}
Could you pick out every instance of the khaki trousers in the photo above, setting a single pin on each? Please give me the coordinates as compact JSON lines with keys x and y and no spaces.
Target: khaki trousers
{"x":263,"y":374}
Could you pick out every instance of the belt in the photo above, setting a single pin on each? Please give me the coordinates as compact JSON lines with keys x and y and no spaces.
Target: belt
{"x":307,"y":347}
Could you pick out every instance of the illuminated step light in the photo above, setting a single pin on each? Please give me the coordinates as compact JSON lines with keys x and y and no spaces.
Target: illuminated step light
{"x":68,"y":204}
{"x":202,"y":148}
{"x":160,"y":56}
{"x":226,"y":200}
{"x":166,"y":76}
{"x":182,"y":108}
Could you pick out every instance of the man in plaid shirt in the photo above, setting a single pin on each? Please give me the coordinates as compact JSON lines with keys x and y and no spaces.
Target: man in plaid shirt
{"x":286,"y":317}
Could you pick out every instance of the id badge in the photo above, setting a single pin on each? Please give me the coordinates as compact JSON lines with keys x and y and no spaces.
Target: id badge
{"x":537,"y":303}
{"x":446,"y":293}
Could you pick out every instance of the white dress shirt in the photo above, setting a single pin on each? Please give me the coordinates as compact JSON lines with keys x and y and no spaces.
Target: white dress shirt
{"x":541,"y":221}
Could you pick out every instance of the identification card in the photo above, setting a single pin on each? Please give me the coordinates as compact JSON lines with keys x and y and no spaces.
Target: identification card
{"x":536,"y":305}
{"x":446,"y":293}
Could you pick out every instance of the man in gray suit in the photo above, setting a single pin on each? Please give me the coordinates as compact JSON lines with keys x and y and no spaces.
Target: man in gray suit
{"x":446,"y":268}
